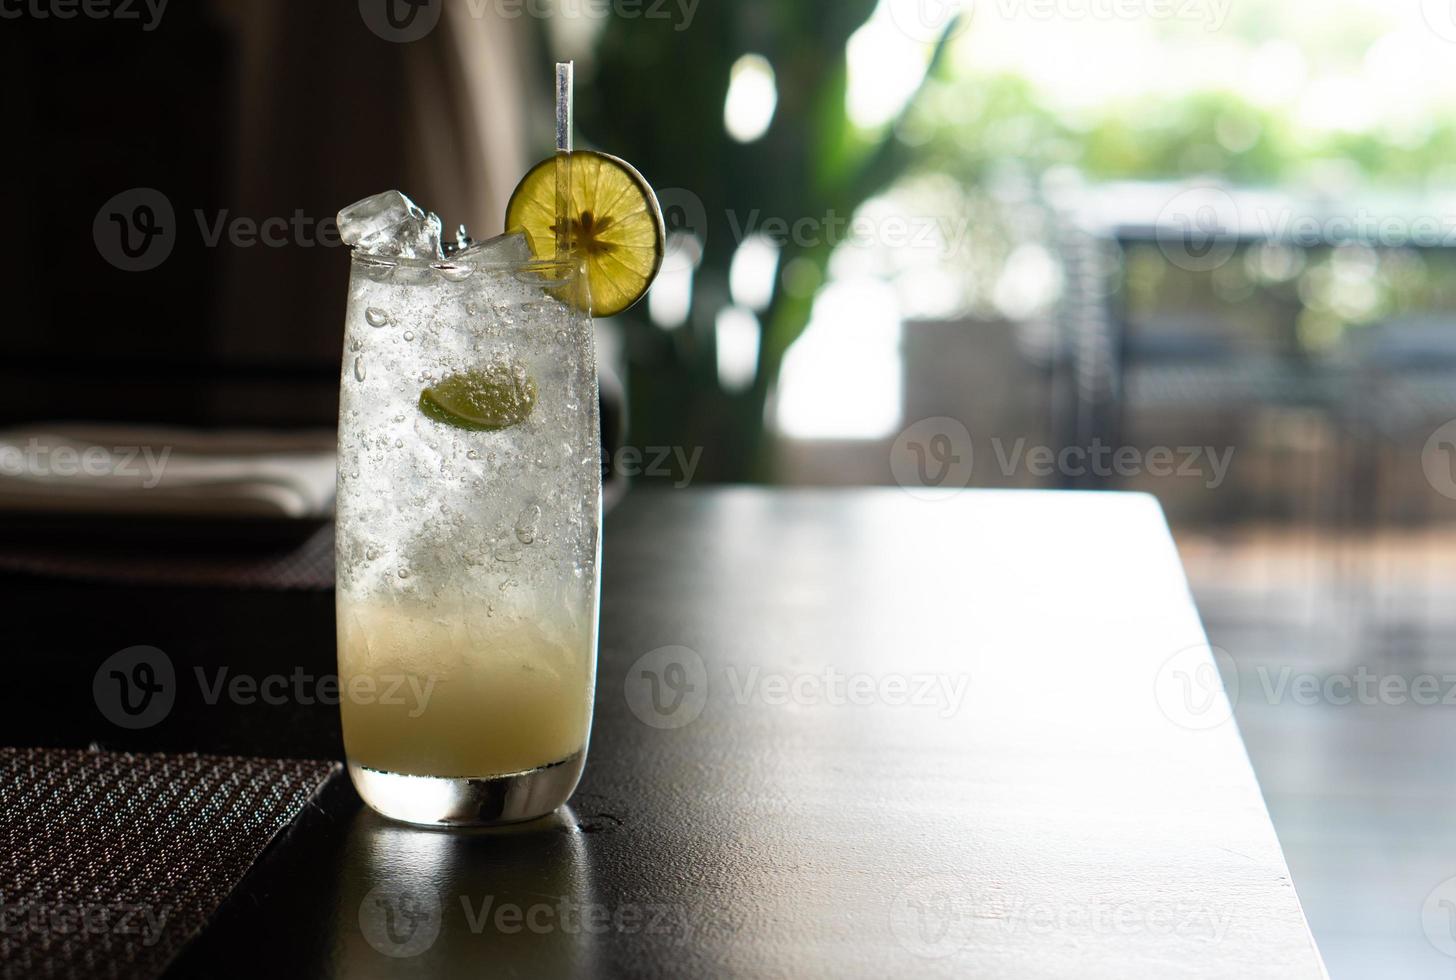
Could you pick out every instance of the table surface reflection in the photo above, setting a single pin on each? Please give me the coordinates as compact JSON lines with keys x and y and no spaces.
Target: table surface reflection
{"x":840,"y":733}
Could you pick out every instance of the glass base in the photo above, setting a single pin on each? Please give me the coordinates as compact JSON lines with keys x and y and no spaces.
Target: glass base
{"x":440,"y":801}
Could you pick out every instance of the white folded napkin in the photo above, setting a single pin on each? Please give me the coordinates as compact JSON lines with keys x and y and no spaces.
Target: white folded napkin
{"x":118,"y":469}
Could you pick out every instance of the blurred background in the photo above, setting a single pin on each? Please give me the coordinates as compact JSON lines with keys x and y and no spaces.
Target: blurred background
{"x":1200,"y":248}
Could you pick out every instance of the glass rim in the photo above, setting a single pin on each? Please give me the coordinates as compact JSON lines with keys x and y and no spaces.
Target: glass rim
{"x":533,"y":264}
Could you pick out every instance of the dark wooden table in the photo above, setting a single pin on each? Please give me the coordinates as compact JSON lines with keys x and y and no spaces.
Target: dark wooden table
{"x":841,"y":734}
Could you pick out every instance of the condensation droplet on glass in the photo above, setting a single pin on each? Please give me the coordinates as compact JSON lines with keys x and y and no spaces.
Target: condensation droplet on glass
{"x":376,"y":317}
{"x":409,"y":335}
{"x":359,"y":368}
{"x":404,"y":573}
{"x":472,"y":455}
{"x":399,"y":444}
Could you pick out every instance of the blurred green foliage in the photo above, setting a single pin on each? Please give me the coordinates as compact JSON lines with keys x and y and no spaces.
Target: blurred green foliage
{"x":968,"y":124}
{"x":656,"y":97}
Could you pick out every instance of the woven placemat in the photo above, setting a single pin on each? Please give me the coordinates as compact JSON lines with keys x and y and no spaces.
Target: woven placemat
{"x":111,"y":862}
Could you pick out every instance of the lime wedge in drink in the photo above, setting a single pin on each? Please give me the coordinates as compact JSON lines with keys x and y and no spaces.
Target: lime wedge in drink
{"x":482,"y":400}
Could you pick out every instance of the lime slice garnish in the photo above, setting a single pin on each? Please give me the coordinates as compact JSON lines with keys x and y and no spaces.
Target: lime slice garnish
{"x":616,"y":225}
{"x":483,"y":400}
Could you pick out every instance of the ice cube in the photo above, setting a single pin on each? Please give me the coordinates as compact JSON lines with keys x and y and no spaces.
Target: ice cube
{"x":507,"y":249}
{"x":391,"y":225}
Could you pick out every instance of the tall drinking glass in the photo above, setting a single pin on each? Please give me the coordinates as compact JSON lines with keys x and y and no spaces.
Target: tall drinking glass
{"x":469,"y":516}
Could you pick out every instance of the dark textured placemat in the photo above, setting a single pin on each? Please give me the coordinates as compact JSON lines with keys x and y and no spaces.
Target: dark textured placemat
{"x":111,"y":862}
{"x":301,"y":565}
